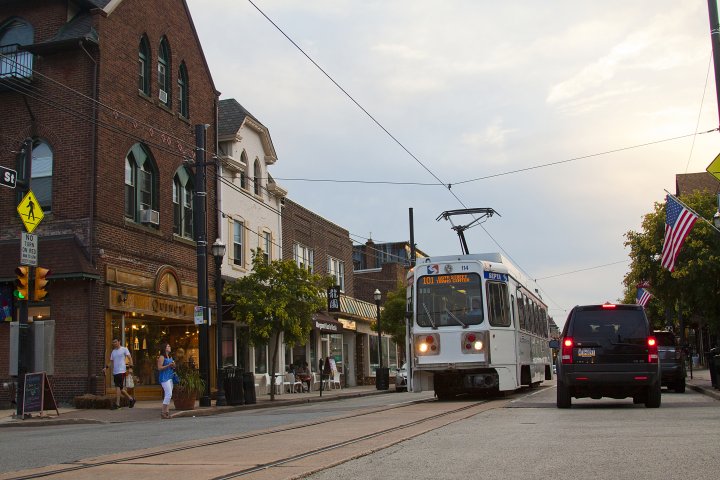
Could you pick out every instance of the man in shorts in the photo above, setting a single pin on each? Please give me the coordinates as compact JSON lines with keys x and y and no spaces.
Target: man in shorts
{"x":117,"y":360}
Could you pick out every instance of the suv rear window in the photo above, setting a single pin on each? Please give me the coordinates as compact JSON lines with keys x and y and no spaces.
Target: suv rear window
{"x":614,"y":325}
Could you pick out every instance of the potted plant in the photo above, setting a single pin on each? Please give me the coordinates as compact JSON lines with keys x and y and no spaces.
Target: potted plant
{"x":188,"y":389}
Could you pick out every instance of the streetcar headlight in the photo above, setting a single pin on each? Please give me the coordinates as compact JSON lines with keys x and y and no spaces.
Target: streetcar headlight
{"x":472,"y":342}
{"x":427,"y":344}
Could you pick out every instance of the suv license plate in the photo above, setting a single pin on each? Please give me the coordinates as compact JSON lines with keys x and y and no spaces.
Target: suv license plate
{"x":586,"y":352}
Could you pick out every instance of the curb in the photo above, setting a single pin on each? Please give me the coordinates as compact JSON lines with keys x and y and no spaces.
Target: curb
{"x":198,"y":412}
{"x":705,"y":391}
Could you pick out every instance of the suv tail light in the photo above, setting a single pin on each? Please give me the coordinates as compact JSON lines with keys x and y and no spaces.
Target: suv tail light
{"x":652,"y":350}
{"x":567,"y":350}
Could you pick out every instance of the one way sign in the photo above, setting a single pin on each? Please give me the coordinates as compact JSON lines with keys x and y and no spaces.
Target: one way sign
{"x":7,"y":177}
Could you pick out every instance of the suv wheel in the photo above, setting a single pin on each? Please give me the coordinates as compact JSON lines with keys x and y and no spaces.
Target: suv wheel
{"x":564,"y":400}
{"x":680,"y":386}
{"x":653,"y":396}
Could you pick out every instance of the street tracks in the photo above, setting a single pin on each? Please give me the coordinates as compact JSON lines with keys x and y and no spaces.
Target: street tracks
{"x":284,"y":452}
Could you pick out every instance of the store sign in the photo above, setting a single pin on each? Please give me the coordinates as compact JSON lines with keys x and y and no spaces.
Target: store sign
{"x":348,"y":324}
{"x":333,"y":296}
{"x":154,"y":305}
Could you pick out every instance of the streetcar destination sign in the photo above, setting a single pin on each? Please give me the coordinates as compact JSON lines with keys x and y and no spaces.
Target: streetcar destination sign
{"x":8,"y":177}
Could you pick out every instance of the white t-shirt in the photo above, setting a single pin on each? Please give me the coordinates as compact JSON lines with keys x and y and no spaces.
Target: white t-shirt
{"x":117,"y":357}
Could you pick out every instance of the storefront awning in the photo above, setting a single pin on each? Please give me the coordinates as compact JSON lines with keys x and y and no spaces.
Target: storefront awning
{"x":326,"y":324}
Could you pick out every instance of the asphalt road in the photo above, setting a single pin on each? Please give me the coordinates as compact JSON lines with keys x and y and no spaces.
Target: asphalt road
{"x":522,"y":436}
{"x":531,"y":438}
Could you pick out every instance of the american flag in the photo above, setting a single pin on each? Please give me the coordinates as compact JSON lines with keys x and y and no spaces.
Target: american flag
{"x":643,"y":297}
{"x":678,"y":223}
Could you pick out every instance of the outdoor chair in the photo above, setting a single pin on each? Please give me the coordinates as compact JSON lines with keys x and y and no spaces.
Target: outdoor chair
{"x":291,"y":384}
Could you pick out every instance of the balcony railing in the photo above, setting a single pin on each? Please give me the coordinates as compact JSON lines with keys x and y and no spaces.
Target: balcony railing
{"x":15,"y":64}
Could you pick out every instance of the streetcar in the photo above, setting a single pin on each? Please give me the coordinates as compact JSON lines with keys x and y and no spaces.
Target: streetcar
{"x":478,"y":325}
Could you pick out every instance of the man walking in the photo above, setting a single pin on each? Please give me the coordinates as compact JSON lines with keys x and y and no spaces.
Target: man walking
{"x":117,"y":359}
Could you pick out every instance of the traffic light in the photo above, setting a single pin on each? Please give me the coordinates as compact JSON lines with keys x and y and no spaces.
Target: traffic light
{"x":41,"y":281}
{"x":21,"y":283}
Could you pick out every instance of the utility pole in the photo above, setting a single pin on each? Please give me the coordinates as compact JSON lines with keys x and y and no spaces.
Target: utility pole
{"x":200,"y":212}
{"x":715,"y":40}
{"x":24,"y":346}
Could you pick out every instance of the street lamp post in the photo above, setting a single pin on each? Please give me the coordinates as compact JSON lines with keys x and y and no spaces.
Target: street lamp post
{"x":218,"y":251}
{"x":381,"y":375}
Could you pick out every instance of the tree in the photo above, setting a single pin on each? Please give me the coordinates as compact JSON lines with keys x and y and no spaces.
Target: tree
{"x":692,"y":291}
{"x":276,"y":299}
{"x":392,"y":317}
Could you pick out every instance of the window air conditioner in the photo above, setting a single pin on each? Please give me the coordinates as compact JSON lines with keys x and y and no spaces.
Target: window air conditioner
{"x":151,"y":217}
{"x":163,"y":96}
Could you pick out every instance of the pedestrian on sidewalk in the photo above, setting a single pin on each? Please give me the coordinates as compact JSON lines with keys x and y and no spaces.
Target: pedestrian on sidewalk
{"x":166,"y":372}
{"x":119,"y":369}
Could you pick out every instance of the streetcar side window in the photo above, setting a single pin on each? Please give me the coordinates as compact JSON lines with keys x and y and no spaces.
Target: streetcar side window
{"x":498,"y":307}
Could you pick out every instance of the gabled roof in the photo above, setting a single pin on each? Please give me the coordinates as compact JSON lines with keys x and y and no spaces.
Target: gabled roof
{"x":232,"y":116}
{"x":686,"y":183}
{"x":109,"y":7}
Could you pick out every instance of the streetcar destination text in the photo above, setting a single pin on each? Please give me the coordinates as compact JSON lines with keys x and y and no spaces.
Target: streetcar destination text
{"x":442,"y":279}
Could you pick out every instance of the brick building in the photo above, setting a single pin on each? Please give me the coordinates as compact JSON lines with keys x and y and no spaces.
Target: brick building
{"x":345,"y":336}
{"x":109,"y":92}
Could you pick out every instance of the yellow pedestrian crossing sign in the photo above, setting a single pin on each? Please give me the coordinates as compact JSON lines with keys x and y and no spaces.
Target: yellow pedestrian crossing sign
{"x":714,"y":167}
{"x":30,"y":212}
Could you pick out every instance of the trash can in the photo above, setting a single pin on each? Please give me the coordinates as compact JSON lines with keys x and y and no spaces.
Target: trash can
{"x":248,"y":383}
{"x":233,"y":383}
{"x":382,"y":378}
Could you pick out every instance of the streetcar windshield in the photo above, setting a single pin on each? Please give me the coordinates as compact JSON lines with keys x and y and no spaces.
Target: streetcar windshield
{"x":449,"y":300}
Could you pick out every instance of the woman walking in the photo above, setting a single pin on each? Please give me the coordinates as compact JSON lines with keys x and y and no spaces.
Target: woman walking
{"x":166,"y":369}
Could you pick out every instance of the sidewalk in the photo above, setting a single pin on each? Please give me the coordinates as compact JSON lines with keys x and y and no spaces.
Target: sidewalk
{"x":150,"y":410}
{"x":701,"y":383}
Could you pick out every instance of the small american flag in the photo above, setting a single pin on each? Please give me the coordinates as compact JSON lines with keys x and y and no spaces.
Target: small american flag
{"x":643,"y":297}
{"x":678,"y":223}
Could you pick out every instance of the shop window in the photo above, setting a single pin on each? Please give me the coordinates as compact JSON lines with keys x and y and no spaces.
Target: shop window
{"x":389,"y":359}
{"x":261,"y":359}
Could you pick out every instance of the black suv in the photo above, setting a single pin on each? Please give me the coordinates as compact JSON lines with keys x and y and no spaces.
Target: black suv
{"x":672,"y":363}
{"x":607,"y":351}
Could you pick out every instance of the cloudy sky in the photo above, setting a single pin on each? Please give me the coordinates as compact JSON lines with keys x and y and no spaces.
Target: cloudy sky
{"x":474,"y":90}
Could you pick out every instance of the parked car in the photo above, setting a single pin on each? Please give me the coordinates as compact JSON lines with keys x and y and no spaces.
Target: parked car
{"x":607,"y":351}
{"x":401,"y":379}
{"x":672,"y":361}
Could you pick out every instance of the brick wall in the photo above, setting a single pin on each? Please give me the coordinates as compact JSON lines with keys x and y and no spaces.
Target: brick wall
{"x":300,"y":225}
{"x":90,"y":142}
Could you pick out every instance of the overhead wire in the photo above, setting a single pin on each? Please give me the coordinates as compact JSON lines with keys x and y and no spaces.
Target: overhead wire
{"x":702,"y":101}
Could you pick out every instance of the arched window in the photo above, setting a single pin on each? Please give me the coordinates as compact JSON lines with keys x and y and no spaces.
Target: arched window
{"x":163,"y":72}
{"x":144,"y":66}
{"x":41,"y":174}
{"x":183,"y":107}
{"x":183,"y":203}
{"x":141,"y":186}
{"x":243,"y":175}
{"x":256,"y":177}
{"x":15,"y":63}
